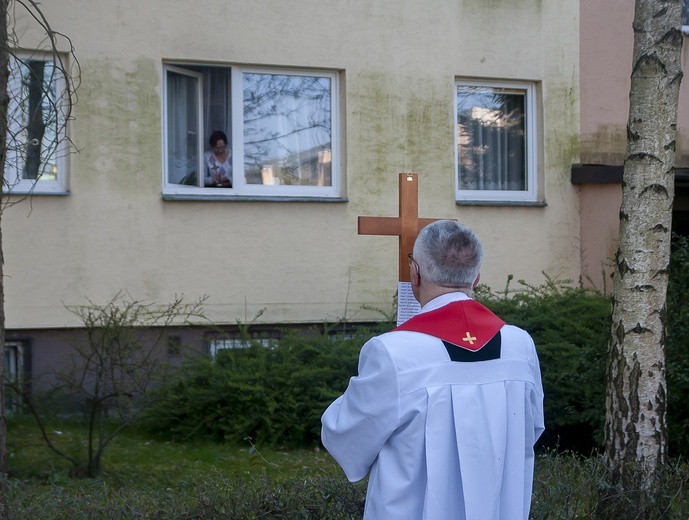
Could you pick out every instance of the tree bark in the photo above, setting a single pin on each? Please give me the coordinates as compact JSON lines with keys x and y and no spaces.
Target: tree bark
{"x":635,"y":426}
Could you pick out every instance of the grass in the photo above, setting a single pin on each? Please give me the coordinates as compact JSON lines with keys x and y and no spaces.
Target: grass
{"x":136,"y":459}
{"x":149,"y":478}
{"x":568,"y":486}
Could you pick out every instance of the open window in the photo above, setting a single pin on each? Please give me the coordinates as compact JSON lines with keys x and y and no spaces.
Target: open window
{"x":280,"y":125}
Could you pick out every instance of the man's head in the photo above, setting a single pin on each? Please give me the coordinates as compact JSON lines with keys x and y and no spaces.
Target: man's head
{"x":448,"y":255}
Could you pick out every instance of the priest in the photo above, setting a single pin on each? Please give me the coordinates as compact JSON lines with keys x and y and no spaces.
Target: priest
{"x":445,"y":410}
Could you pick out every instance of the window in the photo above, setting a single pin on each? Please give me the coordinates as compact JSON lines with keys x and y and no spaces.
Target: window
{"x":241,"y":340}
{"x":14,"y":374}
{"x":174,"y":346}
{"x":496,"y":142}
{"x":216,"y":345}
{"x":36,"y":149}
{"x":685,"y":16}
{"x":280,"y":126}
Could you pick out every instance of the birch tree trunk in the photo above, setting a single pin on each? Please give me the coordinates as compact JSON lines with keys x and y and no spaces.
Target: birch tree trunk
{"x":635,"y":426}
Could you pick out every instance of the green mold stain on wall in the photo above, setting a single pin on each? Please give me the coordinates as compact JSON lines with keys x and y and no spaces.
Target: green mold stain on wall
{"x":429,"y":139}
{"x":374,"y":101}
{"x":400,"y":124}
{"x":118,"y":125}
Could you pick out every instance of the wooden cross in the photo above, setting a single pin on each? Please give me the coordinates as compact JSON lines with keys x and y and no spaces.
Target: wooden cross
{"x":406,"y":226}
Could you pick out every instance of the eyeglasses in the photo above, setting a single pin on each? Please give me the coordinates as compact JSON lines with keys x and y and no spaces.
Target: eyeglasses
{"x":412,"y":261}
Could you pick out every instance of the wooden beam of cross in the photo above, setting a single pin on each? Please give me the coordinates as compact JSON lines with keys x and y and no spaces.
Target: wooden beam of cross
{"x":406,"y":226}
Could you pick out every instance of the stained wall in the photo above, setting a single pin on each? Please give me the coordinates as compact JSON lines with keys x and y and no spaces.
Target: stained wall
{"x":291,"y":262}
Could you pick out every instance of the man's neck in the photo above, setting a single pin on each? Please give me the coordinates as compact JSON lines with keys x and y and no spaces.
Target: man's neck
{"x":430,"y":292}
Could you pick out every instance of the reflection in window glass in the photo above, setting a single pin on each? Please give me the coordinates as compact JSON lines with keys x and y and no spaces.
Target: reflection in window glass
{"x":33,"y":122}
{"x":491,"y":138}
{"x":287,"y":130}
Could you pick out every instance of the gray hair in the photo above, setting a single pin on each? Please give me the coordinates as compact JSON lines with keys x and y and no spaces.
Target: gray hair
{"x":449,"y":254}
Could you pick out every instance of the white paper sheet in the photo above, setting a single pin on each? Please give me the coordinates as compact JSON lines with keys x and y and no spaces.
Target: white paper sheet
{"x":407,"y":306}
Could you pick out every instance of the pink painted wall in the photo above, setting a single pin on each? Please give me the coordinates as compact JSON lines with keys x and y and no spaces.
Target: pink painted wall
{"x":599,"y":206}
{"x":606,"y":47}
{"x":606,"y":44}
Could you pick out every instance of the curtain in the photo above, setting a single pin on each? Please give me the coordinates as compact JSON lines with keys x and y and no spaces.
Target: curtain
{"x":491,"y":136}
{"x":217,"y":102}
{"x":182,"y":131}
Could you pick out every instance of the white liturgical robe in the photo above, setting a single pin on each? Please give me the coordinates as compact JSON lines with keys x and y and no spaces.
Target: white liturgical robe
{"x":442,"y":439}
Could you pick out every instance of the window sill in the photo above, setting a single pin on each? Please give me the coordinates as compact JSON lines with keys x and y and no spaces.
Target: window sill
{"x":248,"y":198}
{"x":33,"y":193}
{"x":536,"y":204}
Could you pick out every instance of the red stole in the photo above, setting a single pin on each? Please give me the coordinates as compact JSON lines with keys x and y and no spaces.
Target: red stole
{"x":465,"y":323}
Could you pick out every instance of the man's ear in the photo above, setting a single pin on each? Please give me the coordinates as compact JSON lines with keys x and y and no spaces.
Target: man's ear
{"x":478,"y":279}
{"x":415,"y":276}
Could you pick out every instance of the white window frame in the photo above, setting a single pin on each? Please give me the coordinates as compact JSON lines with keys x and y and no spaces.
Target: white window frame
{"x":175,"y":188}
{"x":14,"y":184}
{"x":530,"y":195}
{"x":240,"y":189}
{"x":218,"y":344}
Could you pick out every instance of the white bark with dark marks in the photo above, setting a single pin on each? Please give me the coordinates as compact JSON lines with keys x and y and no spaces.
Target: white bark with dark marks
{"x":635,"y":427}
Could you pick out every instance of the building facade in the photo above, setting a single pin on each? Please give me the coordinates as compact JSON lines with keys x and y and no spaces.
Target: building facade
{"x":323,"y":103}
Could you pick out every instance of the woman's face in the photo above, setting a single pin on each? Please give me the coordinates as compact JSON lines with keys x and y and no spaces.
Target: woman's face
{"x":219,"y":147}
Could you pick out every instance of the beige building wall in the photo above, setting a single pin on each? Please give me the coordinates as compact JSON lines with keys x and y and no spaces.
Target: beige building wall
{"x":295,"y":261}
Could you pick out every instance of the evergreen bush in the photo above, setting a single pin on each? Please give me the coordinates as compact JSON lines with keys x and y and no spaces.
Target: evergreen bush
{"x":274,"y":395}
{"x":677,"y":360}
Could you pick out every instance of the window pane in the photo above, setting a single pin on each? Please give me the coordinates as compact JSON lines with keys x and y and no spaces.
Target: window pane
{"x":685,"y":12}
{"x":182,"y":129}
{"x":491,"y":138}
{"x":33,"y":122}
{"x":217,"y":121}
{"x":14,"y":374}
{"x":287,"y":130}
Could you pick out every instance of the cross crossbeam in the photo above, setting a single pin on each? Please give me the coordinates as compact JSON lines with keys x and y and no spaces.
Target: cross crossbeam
{"x":406,"y":226}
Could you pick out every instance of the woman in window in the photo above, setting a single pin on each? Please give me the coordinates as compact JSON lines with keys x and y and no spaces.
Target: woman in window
{"x":218,"y":161}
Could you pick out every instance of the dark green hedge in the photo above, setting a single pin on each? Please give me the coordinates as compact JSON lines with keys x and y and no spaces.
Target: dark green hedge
{"x":678,"y":348}
{"x":276,"y":395}
{"x":273,"y":395}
